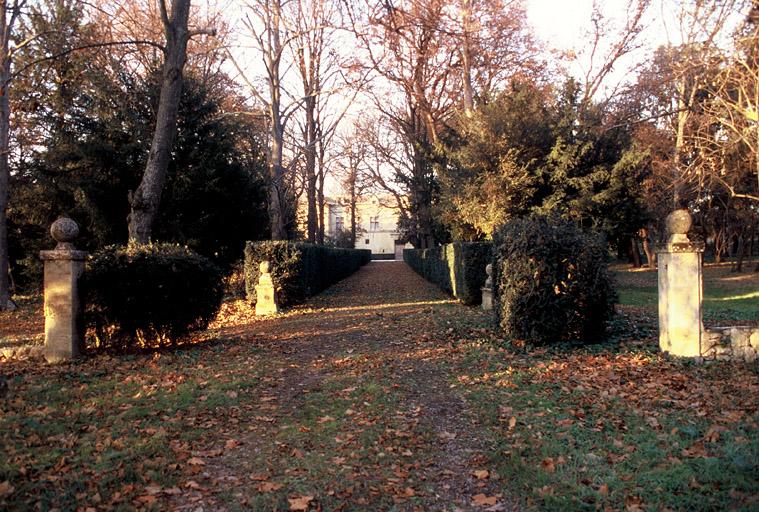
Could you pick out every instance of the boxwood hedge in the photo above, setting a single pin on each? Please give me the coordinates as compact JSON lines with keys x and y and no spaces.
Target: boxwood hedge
{"x":140,"y":296}
{"x":551,"y":281}
{"x":457,"y":268}
{"x":300,"y":270}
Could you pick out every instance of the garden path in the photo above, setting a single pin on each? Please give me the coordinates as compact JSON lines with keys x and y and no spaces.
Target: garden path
{"x":359,"y":409}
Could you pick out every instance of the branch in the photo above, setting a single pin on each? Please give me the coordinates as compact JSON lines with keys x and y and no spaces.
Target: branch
{"x":80,"y":48}
{"x":202,"y":31}
{"x":164,"y":14}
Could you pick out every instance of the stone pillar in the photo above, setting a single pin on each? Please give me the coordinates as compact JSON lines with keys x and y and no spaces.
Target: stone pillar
{"x":64,"y":330}
{"x":680,"y":289}
{"x":487,"y":290}
{"x":266,"y":296}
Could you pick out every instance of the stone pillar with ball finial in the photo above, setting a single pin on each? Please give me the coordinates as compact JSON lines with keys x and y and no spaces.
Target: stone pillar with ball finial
{"x":64,"y":330}
{"x":266,"y":296}
{"x":680,"y":289}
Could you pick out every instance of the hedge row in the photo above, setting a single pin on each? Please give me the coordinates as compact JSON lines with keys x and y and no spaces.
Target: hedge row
{"x":551,"y":281}
{"x":141,"y":296}
{"x":457,"y":268}
{"x":300,"y":270}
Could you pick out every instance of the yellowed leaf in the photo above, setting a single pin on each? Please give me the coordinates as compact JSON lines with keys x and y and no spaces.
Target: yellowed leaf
{"x":300,"y":503}
{"x":5,"y":488}
{"x":482,"y":500}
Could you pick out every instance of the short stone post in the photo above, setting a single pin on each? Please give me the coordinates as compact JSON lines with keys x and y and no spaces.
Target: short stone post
{"x":266,"y":297}
{"x":64,"y":331}
{"x":487,"y":290}
{"x":680,"y":289}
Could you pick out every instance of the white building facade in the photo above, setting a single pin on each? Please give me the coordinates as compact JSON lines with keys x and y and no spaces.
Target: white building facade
{"x":376,"y":225}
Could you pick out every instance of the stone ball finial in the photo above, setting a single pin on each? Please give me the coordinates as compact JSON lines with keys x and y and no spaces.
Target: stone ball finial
{"x":489,"y":269}
{"x":264,"y":267}
{"x":64,"y":231}
{"x":679,"y":222}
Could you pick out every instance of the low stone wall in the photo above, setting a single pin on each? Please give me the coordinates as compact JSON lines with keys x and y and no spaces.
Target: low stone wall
{"x":731,"y":344}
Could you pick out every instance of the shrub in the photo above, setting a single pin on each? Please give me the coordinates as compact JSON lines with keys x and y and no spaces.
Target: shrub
{"x":300,"y":270}
{"x":457,"y":268}
{"x":551,"y":281}
{"x":148,"y":295}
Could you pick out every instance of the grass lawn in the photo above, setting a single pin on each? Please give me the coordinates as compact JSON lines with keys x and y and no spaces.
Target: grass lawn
{"x":383,"y":394}
{"x":727,"y":295}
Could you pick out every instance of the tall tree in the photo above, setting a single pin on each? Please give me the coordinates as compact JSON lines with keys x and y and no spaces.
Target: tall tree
{"x":264,"y":22}
{"x":146,"y":199}
{"x":10,"y":11}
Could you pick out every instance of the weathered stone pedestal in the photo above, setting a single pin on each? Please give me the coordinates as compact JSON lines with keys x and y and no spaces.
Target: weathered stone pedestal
{"x":64,"y":330}
{"x":266,"y":297}
{"x":680,"y":290}
{"x":487,"y":290}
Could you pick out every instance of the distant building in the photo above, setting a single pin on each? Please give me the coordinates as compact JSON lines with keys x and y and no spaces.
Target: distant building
{"x":376,"y":224}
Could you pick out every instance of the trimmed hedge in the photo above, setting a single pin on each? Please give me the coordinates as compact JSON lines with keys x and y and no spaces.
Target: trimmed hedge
{"x":140,"y":296}
{"x":457,"y":268}
{"x":300,"y":270}
{"x":551,"y":281}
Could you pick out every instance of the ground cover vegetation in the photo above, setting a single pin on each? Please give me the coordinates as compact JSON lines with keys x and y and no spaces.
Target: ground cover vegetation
{"x":384,"y":393}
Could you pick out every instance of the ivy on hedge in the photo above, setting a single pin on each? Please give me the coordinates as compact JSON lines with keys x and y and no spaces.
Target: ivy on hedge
{"x":139,"y":296}
{"x":300,"y":270}
{"x":551,"y":281}
{"x":457,"y":268}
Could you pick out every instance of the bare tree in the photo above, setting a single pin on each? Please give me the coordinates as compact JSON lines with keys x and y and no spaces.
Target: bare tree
{"x":266,"y":25}
{"x":314,"y":26}
{"x":146,"y":199}
{"x":727,"y":139}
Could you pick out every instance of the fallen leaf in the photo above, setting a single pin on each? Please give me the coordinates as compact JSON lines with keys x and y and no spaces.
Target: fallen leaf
{"x":481,"y":474}
{"x":603,"y":490}
{"x":548,"y":465}
{"x":195,"y":461}
{"x":447,"y":436}
{"x":512,"y":422}
{"x":482,"y":500}
{"x":300,"y":503}
{"x":259,"y":477}
{"x":268,"y":487}
{"x":5,"y":488}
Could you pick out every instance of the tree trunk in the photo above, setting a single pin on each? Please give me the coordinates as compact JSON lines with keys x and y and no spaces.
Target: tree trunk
{"x":5,"y":175}
{"x":147,"y":197}
{"x":740,"y":254}
{"x":320,"y":192}
{"x":311,"y":221}
{"x":634,"y":252}
{"x":466,"y":57}
{"x":5,"y":292}
{"x":353,"y":210}
{"x":277,"y":133}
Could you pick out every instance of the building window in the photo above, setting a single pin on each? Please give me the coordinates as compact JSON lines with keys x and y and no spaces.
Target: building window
{"x":366,"y":241}
{"x":339,"y":224}
{"x":374,"y":224}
